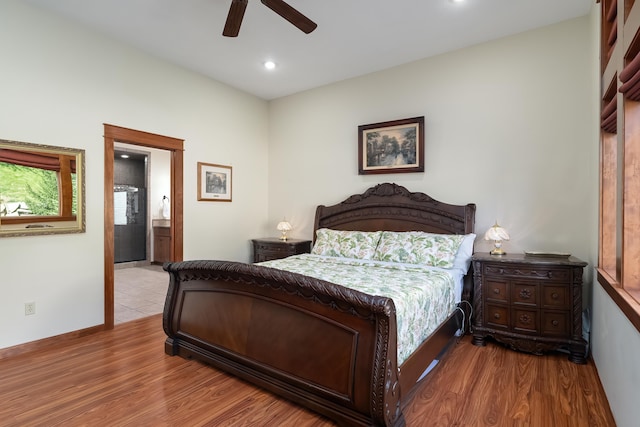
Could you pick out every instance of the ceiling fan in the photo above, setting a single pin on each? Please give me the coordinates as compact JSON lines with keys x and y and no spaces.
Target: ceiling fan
{"x":236,"y":12}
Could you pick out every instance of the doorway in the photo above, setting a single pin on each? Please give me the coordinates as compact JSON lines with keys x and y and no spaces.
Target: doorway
{"x":113,"y":134}
{"x":130,"y":203}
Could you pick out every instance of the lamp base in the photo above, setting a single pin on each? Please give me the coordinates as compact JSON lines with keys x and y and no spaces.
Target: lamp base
{"x":283,"y":237}
{"x":497,"y":251}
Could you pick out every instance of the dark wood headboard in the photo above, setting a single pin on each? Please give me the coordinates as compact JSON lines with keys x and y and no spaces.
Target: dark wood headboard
{"x":392,"y":207}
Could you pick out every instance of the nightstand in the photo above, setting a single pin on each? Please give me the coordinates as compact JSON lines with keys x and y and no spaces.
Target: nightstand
{"x":274,"y":248}
{"x":529,"y":303}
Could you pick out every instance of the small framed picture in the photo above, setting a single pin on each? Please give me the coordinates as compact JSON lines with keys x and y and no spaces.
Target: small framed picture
{"x":391,"y":147}
{"x":214,"y":182}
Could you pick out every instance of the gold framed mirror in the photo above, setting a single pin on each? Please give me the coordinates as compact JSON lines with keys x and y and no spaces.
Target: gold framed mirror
{"x":42,"y":189}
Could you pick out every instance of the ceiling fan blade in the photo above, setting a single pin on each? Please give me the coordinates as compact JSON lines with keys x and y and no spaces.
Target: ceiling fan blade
{"x":234,"y":19}
{"x":305,"y":24}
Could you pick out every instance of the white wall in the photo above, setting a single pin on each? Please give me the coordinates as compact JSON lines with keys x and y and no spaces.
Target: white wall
{"x":60,"y":83}
{"x":616,"y":345}
{"x":505,"y":129}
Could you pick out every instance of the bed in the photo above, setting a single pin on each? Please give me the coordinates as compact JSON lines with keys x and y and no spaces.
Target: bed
{"x":325,"y":346}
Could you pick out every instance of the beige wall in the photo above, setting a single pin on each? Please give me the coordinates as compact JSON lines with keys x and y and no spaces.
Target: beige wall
{"x":59,"y":84}
{"x":510,"y":125}
{"x":505,"y":128}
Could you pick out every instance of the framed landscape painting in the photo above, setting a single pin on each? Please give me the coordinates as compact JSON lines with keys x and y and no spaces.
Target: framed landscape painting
{"x":395,"y":146}
{"x":214,"y":182}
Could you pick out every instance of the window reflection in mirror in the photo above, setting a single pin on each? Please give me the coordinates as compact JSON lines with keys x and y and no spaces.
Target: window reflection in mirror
{"x":41,"y":189}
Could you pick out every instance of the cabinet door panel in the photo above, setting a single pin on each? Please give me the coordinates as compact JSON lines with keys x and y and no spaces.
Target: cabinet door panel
{"x":556,"y":323}
{"x":556,"y":296}
{"x":497,"y":316}
{"x":525,"y":294}
{"x":525,"y":321}
{"x":497,"y":290}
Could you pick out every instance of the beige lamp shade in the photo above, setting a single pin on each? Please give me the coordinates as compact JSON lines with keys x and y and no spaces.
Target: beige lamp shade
{"x":497,"y":234}
{"x":283,"y":227}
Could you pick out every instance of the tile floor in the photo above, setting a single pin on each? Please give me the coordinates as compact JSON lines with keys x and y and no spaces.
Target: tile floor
{"x":139,"y":292}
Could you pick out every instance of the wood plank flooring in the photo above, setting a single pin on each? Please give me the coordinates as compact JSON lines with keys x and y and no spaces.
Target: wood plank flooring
{"x":123,"y":378}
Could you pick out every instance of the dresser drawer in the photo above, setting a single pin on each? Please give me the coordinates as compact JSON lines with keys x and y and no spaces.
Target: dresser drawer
{"x":268,"y":255}
{"x":497,"y":316}
{"x":497,"y":291}
{"x":556,"y":296}
{"x":526,"y":321}
{"x":525,"y":294}
{"x":556,"y":323}
{"x":273,"y":248}
{"x":523,"y":271}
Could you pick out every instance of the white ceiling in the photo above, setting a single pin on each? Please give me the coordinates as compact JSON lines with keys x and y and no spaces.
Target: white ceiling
{"x":354,"y":37}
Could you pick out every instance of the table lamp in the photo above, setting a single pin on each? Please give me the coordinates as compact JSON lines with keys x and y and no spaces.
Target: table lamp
{"x":497,"y":234}
{"x":283,"y":226}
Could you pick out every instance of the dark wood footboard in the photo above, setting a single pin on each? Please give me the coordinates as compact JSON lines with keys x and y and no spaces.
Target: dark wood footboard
{"x":323,"y":346}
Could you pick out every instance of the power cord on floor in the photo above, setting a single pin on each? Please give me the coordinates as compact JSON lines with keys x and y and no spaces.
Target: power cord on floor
{"x":461,"y":331}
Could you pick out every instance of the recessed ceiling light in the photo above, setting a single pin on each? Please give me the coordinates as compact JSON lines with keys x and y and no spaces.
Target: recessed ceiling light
{"x":124,"y":156}
{"x":456,"y":1}
{"x":269,"y":65}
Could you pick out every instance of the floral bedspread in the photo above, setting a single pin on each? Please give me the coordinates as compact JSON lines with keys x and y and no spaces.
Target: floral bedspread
{"x":423,"y":296}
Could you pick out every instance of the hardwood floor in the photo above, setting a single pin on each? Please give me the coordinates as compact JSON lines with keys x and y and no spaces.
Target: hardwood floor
{"x":123,"y":378}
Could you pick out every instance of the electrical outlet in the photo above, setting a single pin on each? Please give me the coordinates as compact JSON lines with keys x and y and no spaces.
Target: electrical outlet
{"x":29,"y":308}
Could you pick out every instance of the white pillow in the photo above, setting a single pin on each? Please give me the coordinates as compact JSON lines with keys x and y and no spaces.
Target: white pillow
{"x":462,"y":260}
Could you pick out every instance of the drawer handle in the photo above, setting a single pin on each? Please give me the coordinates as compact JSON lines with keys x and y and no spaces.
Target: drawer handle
{"x":496,"y":291}
{"x":525,"y":318}
{"x":554,"y":322}
{"x":555,"y":295}
{"x":496,"y":315}
{"x":525,"y":293}
{"x":548,"y":274}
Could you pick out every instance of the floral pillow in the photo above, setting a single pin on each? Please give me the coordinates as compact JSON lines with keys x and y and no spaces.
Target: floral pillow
{"x":415,"y":247}
{"x":346,"y":244}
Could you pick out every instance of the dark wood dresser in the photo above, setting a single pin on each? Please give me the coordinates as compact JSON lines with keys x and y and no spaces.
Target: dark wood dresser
{"x":273,"y":248}
{"x":529,"y":303}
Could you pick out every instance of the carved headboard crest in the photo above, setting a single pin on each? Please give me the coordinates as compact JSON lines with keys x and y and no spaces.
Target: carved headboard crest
{"x":392,"y":207}
{"x":388,"y":190}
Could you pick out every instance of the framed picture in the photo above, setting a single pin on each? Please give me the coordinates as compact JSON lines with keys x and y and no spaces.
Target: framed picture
{"x":214,"y":182}
{"x":391,"y":147}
